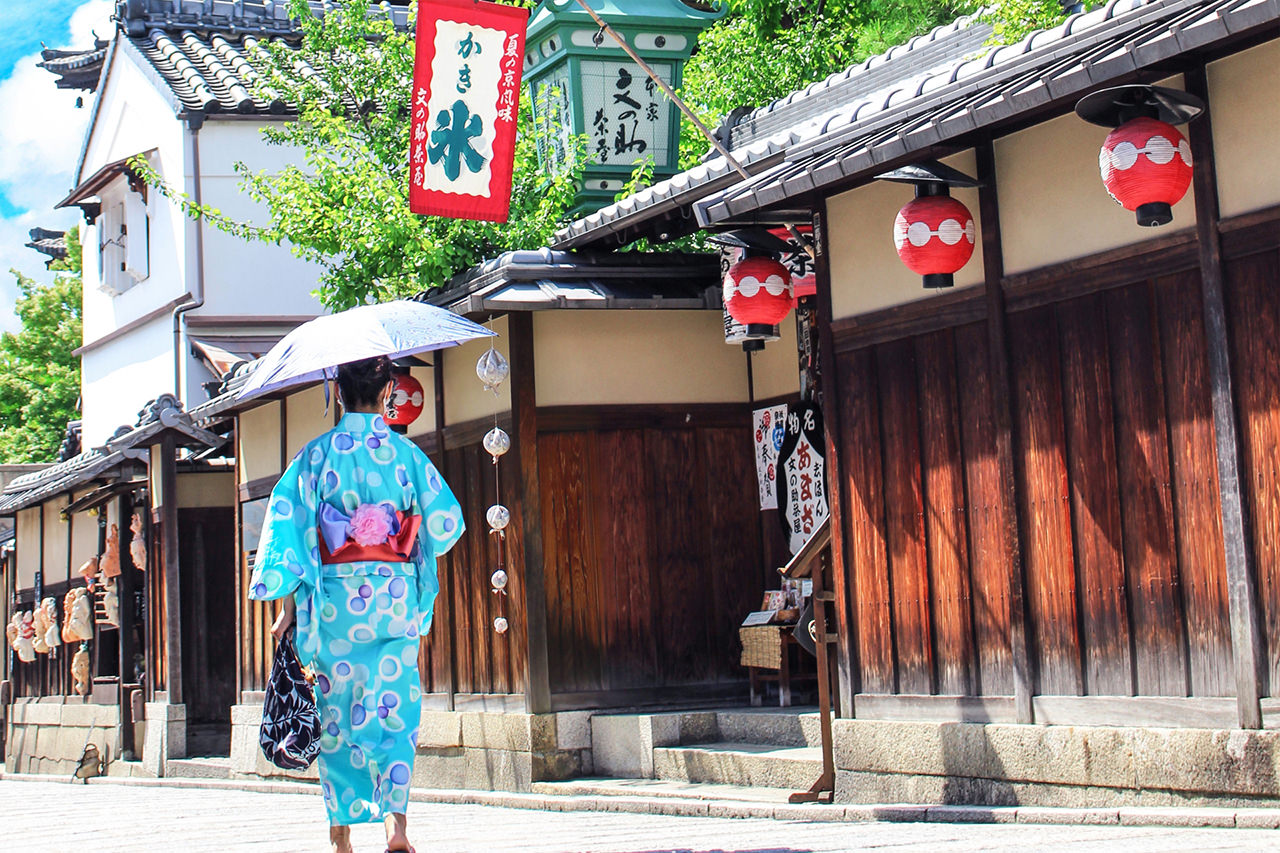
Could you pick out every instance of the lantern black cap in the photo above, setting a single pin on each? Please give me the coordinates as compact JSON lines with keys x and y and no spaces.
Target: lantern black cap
{"x":929,"y":172}
{"x":1115,"y":106}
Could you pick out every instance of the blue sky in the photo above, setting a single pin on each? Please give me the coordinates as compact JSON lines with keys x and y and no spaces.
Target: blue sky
{"x":42,"y":131}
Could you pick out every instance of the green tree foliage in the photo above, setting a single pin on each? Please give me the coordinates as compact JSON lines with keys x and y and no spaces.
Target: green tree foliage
{"x":39,"y":377}
{"x":345,"y":205}
{"x":766,"y":49}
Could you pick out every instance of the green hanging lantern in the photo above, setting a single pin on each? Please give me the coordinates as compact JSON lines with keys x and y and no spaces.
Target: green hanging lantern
{"x":583,"y":83}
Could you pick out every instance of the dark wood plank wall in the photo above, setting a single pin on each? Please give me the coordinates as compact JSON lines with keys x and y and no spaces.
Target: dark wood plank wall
{"x":652,"y":555}
{"x":463,"y":653}
{"x":1252,"y":285}
{"x":1116,"y":493}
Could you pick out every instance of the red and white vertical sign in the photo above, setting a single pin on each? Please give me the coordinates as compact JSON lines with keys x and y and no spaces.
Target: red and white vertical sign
{"x":466,"y":99}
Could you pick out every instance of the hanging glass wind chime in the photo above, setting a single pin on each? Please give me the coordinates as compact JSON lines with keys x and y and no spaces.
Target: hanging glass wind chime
{"x":493,"y":370}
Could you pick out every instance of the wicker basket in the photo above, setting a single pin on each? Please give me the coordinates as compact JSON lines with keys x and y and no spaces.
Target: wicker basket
{"x":761,"y":646}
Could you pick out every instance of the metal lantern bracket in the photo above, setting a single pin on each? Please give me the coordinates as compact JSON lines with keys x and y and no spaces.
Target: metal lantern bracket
{"x":930,"y":178}
{"x":1119,"y":104}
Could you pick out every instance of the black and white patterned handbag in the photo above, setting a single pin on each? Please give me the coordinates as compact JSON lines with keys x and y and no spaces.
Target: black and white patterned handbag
{"x":290,"y":734}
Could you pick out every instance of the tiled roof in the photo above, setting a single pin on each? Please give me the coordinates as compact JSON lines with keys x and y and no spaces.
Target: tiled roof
{"x":162,"y":414}
{"x":1112,"y":44}
{"x":48,"y":242}
{"x":75,"y":69}
{"x":209,"y":52}
{"x":758,"y":138}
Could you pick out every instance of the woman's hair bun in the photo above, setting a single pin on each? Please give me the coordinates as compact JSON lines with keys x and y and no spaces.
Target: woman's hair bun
{"x":360,"y":382}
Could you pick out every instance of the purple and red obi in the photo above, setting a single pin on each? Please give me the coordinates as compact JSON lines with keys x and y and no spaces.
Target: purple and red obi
{"x":374,"y":532}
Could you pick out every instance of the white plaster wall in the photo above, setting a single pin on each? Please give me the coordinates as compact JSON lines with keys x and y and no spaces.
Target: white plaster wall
{"x":1246,"y":115}
{"x":620,"y":357}
{"x":775,"y":371}
{"x":1053,"y":205}
{"x":84,"y":539}
{"x":134,"y":117}
{"x":118,"y":378}
{"x":29,"y":545}
{"x":464,"y":397}
{"x":57,"y":548}
{"x":866,"y":272}
{"x":243,"y":277}
{"x":259,"y":450}
{"x":305,"y":418}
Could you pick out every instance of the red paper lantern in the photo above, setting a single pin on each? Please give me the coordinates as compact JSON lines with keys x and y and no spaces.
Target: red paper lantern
{"x":406,"y":401}
{"x":1146,"y":166}
{"x":935,"y":236}
{"x":757,"y":292}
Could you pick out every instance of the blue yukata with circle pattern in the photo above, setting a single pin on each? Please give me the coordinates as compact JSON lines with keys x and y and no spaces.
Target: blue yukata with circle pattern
{"x":358,"y":624}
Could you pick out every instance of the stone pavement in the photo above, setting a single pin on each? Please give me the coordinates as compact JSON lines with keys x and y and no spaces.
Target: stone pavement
{"x":46,"y":816}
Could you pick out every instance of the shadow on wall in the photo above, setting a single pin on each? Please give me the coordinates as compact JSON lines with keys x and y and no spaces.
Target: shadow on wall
{"x":974,"y":773}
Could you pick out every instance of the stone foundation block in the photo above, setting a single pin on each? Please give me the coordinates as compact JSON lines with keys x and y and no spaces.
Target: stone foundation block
{"x":440,"y":729}
{"x":166,"y":736}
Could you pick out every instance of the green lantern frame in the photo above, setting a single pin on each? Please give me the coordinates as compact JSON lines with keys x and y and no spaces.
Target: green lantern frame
{"x":562,"y":36}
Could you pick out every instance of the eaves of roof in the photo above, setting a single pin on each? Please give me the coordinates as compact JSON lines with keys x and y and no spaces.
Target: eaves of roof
{"x":547,"y":279}
{"x":1115,"y":43}
{"x":94,"y":184}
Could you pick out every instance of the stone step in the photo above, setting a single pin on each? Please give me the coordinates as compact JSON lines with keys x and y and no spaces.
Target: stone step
{"x":209,"y":767}
{"x":749,"y":765}
{"x":662,"y":788}
{"x":779,"y":726}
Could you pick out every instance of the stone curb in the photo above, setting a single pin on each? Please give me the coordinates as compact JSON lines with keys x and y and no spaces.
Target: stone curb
{"x":1243,"y":818}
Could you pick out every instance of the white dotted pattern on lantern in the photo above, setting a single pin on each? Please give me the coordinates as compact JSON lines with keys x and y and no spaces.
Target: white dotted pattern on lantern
{"x":500,"y":624}
{"x":950,"y":231}
{"x":749,"y":286}
{"x":498,"y":517}
{"x":1158,"y":150}
{"x":498,"y":579}
{"x":497,"y":442}
{"x":493,"y":370}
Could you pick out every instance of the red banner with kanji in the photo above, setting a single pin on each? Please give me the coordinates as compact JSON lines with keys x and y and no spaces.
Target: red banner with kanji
{"x":466,"y":98}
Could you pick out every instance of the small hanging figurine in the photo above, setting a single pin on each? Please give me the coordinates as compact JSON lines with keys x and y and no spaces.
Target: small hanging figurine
{"x":138,"y":546}
{"x":77,"y":616}
{"x":80,"y":669}
{"x":45,"y":622}
{"x":111,"y":604}
{"x":25,"y":643}
{"x":12,"y":630}
{"x":110,"y":562}
{"x":89,"y":570}
{"x":40,"y":629}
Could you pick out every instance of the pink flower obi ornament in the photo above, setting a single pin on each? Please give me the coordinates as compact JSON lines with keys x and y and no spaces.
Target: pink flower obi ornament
{"x":374,"y":532}
{"x":371,"y":524}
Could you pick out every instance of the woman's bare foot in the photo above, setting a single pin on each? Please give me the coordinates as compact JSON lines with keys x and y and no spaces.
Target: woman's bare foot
{"x":340,"y":839}
{"x":397,"y":839}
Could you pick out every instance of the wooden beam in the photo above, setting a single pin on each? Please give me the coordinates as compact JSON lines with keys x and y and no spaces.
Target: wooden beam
{"x":1001,"y":390}
{"x":524,"y":403}
{"x":126,"y":584}
{"x":167,"y":450}
{"x":446,"y":633}
{"x":1246,"y":640}
{"x":829,"y":382}
{"x":242,"y":637}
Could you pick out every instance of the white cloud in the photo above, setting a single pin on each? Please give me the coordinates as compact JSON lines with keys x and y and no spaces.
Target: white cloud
{"x":40,"y":141}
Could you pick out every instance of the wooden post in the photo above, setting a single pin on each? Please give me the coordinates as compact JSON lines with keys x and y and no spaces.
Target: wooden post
{"x":524,"y":419}
{"x":168,"y":462}
{"x":1246,"y":640}
{"x":447,"y":629}
{"x":126,"y":586}
{"x":1001,"y":391}
{"x":829,"y":383}
{"x":242,"y":646}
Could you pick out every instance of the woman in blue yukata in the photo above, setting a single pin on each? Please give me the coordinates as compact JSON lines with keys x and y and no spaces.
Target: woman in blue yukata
{"x":350,"y":542}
